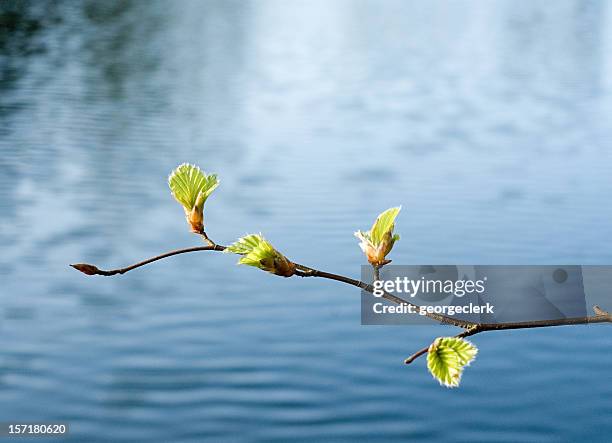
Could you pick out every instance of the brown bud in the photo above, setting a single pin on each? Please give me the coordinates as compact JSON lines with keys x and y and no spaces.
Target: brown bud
{"x":278,"y":265}
{"x":86,"y":269}
{"x":196,"y":219}
{"x":284,"y":267}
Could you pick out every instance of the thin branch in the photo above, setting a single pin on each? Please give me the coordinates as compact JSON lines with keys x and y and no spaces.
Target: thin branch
{"x":416,"y":355}
{"x":302,"y":271}
{"x":310,"y":272}
{"x":600,"y":316}
{"x":93,"y":270}
{"x":376,"y":272}
{"x":208,"y":240}
{"x":471,"y":328}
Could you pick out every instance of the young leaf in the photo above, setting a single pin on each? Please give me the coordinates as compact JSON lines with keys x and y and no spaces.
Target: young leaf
{"x":245,"y":244}
{"x":191,"y":187}
{"x":384,"y":223}
{"x":188,"y":182}
{"x":446,"y":358}
{"x":378,"y":241}
{"x":258,"y":252}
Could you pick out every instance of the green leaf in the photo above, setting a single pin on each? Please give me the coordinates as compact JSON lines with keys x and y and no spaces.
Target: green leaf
{"x":190,"y":186}
{"x":447,"y":357}
{"x":258,"y":252}
{"x":253,"y":248}
{"x":384,"y":223}
{"x":246,"y":244}
{"x":444,"y":366}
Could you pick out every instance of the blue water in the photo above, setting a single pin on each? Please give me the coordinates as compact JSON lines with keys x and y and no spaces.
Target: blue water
{"x":488,"y":121}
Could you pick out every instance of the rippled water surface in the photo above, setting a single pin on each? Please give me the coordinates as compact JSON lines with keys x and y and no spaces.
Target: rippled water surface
{"x":489,"y":122}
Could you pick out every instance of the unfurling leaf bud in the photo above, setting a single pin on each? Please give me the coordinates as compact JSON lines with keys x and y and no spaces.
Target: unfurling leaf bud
{"x":258,"y":252}
{"x":191,"y":188}
{"x":378,"y":241}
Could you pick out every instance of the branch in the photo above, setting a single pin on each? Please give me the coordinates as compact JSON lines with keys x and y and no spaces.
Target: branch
{"x":416,"y":355}
{"x":600,"y":316}
{"x":88,"y":269}
{"x":190,"y":187}
{"x":302,"y":271}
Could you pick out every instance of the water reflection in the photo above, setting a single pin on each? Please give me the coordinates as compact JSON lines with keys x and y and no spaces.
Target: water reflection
{"x":489,"y":123}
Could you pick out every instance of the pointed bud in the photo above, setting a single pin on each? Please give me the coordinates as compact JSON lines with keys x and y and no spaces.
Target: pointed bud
{"x":86,"y":269}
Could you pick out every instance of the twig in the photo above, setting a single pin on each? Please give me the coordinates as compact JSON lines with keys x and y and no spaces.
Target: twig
{"x":93,"y":270}
{"x":600,"y":316}
{"x":471,"y":328}
{"x":208,"y":240}
{"x":376,"y":272}
{"x":302,"y":271}
{"x":310,"y":272}
{"x":416,"y":355}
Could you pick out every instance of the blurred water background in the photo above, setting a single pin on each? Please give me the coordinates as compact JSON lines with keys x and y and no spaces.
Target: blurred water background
{"x":488,"y":121}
